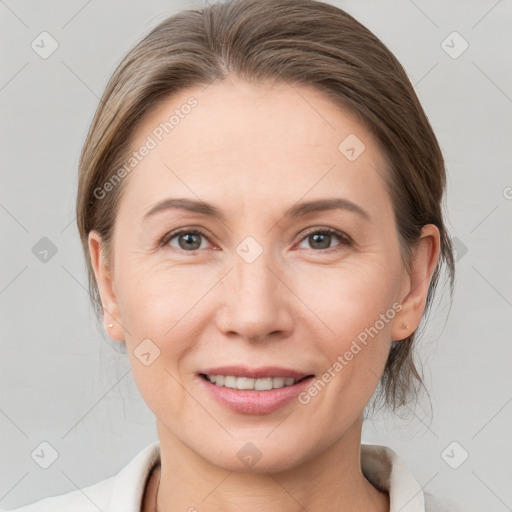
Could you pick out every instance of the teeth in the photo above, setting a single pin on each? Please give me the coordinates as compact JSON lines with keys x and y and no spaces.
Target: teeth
{"x":229,"y":382}
{"x":265,"y":384}
{"x":244,"y":383}
{"x":278,"y":382}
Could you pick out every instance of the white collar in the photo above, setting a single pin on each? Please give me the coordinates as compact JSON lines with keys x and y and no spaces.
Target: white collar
{"x":384,"y":469}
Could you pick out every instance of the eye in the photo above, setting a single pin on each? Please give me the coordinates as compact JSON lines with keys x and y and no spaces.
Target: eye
{"x":321,"y":239}
{"x":190,"y":240}
{"x":187,"y":239}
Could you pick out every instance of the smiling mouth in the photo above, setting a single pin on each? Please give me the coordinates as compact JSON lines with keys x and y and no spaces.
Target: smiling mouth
{"x":247,"y":383}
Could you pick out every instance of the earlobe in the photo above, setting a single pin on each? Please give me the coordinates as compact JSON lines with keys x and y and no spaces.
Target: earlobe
{"x":424,"y":259}
{"x":104,"y":279}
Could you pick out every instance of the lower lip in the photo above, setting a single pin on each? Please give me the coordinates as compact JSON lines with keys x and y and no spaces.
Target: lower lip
{"x":255,"y":402}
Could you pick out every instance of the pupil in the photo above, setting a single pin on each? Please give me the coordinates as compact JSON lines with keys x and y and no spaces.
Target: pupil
{"x":326,"y":240}
{"x":189,"y":241}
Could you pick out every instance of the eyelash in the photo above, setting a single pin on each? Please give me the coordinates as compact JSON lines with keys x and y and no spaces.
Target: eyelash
{"x":343,"y":238}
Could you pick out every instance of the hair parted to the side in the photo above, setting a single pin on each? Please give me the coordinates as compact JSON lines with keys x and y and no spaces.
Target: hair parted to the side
{"x":300,"y":42}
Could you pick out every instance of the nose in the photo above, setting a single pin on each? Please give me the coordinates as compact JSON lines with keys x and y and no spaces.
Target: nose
{"x":256,"y":303}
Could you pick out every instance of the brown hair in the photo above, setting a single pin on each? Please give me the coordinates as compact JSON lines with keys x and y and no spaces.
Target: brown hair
{"x":295,"y":41}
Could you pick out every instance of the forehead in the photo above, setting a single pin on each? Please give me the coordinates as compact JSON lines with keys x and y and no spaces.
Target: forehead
{"x":233,"y":140}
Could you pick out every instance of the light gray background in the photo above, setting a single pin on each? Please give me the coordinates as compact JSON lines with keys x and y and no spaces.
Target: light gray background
{"x":61,"y":380}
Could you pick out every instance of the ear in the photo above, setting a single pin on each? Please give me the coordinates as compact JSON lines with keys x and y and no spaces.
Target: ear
{"x":424,"y":259}
{"x":104,"y":278}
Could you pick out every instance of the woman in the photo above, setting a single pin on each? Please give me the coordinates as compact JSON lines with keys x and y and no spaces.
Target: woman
{"x":259,"y":204}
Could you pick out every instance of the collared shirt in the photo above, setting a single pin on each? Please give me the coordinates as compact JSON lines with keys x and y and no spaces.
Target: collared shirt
{"x":124,"y":491}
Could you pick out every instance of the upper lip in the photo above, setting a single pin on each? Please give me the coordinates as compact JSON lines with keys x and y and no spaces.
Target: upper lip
{"x":256,"y":373}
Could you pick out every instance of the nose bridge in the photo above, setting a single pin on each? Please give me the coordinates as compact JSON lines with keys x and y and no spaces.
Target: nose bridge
{"x":255,"y":284}
{"x":252,"y":273}
{"x":254,"y":303}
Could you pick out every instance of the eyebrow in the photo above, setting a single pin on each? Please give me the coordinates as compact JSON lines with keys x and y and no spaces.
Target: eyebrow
{"x":298,"y":210}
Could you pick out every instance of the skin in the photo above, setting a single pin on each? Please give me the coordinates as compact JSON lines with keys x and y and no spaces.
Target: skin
{"x":253,"y":152}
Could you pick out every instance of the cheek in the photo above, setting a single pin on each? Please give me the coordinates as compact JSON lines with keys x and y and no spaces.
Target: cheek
{"x":356,"y":305}
{"x":164,"y":310}
{"x":351,"y":297}
{"x":153,"y":298}
{"x":151,"y":305}
{"x":162,"y":324}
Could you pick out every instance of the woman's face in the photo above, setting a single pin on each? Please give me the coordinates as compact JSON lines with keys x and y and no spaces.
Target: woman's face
{"x":259,"y":283}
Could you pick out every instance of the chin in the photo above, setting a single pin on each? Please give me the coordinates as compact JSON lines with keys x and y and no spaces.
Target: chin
{"x":257,"y":457}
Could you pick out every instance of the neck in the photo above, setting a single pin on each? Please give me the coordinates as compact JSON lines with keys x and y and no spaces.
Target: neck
{"x":330,"y":480}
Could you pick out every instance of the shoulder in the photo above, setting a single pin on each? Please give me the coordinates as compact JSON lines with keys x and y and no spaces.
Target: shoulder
{"x":89,"y":499}
{"x":387,"y":472}
{"x":118,"y":493}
